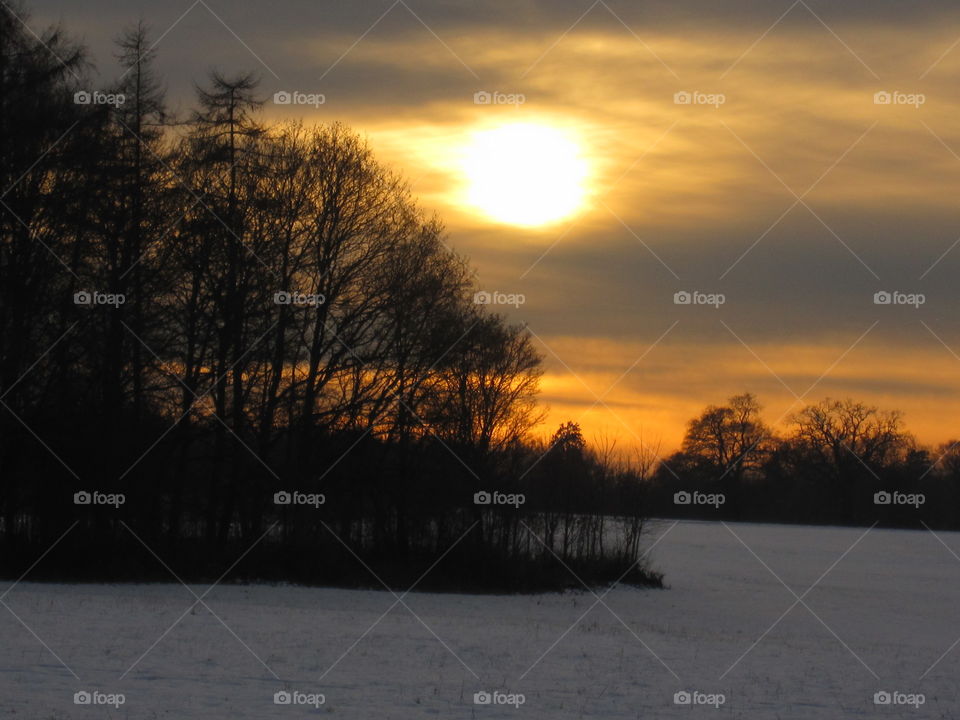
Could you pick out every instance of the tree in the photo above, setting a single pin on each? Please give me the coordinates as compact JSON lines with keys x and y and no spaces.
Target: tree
{"x":42,"y":146}
{"x":137,"y":269}
{"x":850,"y":445}
{"x":565,"y":483}
{"x":489,"y":381}
{"x":843,"y":434}
{"x":729,"y":441}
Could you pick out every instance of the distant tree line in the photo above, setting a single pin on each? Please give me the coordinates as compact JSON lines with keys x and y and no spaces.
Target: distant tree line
{"x":224,"y":341}
{"x":840,"y":462}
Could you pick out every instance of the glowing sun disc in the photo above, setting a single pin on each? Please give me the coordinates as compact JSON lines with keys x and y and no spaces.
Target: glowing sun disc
{"x":525,"y":174}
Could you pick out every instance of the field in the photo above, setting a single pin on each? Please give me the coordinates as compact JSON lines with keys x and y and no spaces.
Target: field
{"x":782,"y":622}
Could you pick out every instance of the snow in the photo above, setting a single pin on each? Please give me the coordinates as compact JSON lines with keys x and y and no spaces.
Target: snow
{"x":886,"y":603}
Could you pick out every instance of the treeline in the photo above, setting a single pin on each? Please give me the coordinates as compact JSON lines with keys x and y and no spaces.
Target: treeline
{"x":223,"y":341}
{"x":840,"y":462}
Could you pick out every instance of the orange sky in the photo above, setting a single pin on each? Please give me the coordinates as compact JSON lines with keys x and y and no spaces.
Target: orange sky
{"x":797,"y":198}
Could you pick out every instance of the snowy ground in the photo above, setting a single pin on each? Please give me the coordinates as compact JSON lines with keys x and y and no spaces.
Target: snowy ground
{"x":878,"y":620}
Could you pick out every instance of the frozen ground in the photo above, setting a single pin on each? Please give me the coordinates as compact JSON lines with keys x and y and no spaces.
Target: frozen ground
{"x":879,"y":619}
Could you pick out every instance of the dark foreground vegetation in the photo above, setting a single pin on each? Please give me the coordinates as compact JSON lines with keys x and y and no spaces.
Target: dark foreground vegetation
{"x":240,"y":350}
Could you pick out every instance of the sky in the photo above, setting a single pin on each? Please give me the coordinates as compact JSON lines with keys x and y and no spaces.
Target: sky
{"x":781,"y":162}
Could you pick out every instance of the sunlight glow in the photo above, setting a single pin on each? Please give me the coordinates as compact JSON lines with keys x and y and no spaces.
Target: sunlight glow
{"x":525,"y":174}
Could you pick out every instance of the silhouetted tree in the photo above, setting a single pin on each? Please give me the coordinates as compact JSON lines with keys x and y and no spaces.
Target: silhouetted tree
{"x":847,"y":445}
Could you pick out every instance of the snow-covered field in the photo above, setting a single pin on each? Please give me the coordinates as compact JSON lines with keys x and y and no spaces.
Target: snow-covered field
{"x":880,"y":615}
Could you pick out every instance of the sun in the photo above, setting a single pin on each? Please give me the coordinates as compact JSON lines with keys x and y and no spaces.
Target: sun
{"x":525,"y":174}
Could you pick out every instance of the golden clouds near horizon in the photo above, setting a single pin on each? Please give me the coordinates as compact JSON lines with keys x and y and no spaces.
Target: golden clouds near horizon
{"x":652,"y":402}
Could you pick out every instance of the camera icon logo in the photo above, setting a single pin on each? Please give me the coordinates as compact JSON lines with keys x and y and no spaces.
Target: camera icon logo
{"x":682,"y":698}
{"x":482,"y":498}
{"x":82,"y":97}
{"x":882,"y":498}
{"x":482,"y":297}
{"x":682,"y":498}
{"x":282,"y":697}
{"x":882,"y":697}
{"x":482,"y":698}
{"x":882,"y":297}
{"x":282,"y":298}
{"x":482,"y":97}
{"x":82,"y":698}
{"x":282,"y":98}
{"x":882,"y":98}
{"x":282,"y":498}
{"x":84,"y":297}
{"x":682,"y":98}
{"x":682,"y":298}
{"x":82,"y":498}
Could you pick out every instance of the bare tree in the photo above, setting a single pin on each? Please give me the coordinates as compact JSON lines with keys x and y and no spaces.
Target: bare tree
{"x":844,"y":435}
{"x":731,"y":439}
{"x":847,"y":445}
